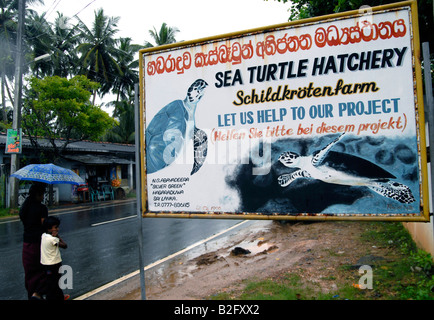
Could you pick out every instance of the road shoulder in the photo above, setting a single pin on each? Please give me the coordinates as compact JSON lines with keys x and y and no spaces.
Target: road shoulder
{"x":315,"y":250}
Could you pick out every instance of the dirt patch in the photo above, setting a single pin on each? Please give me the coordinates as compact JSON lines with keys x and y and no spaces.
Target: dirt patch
{"x":315,"y":251}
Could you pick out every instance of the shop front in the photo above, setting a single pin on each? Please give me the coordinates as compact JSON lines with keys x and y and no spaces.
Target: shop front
{"x":107,"y":168}
{"x":107,"y":177}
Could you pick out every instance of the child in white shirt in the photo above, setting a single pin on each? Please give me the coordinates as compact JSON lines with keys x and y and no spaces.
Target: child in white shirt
{"x":51,"y":258}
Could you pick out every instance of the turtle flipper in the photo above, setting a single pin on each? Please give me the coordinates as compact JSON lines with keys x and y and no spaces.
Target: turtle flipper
{"x":286,"y":179}
{"x":394,"y":190}
{"x":200,"y":144}
{"x":320,"y":155}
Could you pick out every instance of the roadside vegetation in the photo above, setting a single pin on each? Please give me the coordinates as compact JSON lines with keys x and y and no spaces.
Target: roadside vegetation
{"x":4,"y":212}
{"x":406,"y":274}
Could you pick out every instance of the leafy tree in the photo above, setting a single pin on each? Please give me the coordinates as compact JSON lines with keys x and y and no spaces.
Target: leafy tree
{"x":166,"y":35}
{"x":58,"y":108}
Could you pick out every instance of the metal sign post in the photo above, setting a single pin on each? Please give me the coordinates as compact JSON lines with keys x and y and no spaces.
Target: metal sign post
{"x":139,"y":193}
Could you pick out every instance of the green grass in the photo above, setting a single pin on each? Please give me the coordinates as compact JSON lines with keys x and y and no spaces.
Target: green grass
{"x":292,"y":287}
{"x":7,"y":212}
{"x":289,"y":287}
{"x":412,"y":275}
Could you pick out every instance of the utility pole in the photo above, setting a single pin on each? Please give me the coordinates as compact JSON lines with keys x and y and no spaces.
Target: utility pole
{"x":16,"y":123}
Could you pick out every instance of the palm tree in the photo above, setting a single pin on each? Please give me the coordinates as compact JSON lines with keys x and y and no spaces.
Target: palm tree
{"x":166,"y":35}
{"x":98,"y":51}
{"x":65,"y":39}
{"x":38,"y":38}
{"x":124,"y":131}
{"x":122,"y":85}
{"x":8,"y":26}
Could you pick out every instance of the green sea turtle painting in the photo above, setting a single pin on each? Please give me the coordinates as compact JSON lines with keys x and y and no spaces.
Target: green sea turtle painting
{"x":172,"y":128}
{"x":343,"y":169}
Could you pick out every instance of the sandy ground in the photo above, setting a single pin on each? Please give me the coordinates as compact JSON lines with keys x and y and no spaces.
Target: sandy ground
{"x":313,"y":250}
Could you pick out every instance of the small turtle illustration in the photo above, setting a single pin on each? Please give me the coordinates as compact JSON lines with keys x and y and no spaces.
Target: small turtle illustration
{"x":344,"y":169}
{"x":172,"y":127}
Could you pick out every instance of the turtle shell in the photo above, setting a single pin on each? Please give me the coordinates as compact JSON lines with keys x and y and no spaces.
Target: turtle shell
{"x":166,"y":130}
{"x":355,"y":166}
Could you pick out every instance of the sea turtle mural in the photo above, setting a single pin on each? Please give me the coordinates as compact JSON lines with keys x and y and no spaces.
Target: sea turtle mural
{"x":343,"y":169}
{"x":174,"y":126}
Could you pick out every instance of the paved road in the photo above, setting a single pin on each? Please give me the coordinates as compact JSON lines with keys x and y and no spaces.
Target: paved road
{"x":102,"y":244}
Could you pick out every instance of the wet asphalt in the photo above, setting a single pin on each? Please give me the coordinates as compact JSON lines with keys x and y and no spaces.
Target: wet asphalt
{"x":103,"y":244}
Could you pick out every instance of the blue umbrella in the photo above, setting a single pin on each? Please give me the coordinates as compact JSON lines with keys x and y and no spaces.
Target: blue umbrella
{"x":48,"y":173}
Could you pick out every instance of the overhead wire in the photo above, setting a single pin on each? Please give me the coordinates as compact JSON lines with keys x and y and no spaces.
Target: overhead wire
{"x":52,"y":7}
{"x":83,"y":8}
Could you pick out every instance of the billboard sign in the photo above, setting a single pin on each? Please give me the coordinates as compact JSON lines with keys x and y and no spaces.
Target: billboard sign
{"x":13,"y":141}
{"x":315,"y":119}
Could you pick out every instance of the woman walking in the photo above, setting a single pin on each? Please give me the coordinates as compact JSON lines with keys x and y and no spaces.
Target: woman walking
{"x":32,"y":215}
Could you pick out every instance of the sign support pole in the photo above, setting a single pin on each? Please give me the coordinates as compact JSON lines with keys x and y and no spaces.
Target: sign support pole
{"x":139,"y":193}
{"x":429,"y":107}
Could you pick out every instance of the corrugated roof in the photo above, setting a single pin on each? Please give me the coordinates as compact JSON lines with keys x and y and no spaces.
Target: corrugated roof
{"x":100,"y":159}
{"x":85,"y":146}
